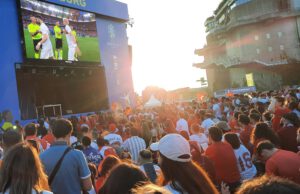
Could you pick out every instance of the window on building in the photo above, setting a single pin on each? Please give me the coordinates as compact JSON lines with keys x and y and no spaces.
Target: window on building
{"x":256,"y":37}
{"x":270,"y":49}
{"x":268,"y":36}
{"x":279,"y":34}
{"x":281,"y":47}
{"x":258,"y":51}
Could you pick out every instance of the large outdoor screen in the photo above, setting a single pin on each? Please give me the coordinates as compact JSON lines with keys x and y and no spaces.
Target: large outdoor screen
{"x":58,"y":33}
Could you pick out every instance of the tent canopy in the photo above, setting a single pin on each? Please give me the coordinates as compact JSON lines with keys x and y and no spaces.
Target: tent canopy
{"x":152,"y":102}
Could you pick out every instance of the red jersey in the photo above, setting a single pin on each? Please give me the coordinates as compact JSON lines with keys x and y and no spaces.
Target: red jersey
{"x":284,"y":164}
{"x":225,"y":163}
{"x":279,"y":112}
{"x":49,"y":138}
{"x":245,"y":137}
{"x":287,"y":136}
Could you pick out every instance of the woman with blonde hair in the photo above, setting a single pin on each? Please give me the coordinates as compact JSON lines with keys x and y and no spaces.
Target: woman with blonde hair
{"x":21,"y":172}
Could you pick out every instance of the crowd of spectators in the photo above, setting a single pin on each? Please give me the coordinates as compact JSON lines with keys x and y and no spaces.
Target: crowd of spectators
{"x":235,"y":144}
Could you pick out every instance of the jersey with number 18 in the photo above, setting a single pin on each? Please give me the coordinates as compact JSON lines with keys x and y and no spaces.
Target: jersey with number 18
{"x":244,"y":162}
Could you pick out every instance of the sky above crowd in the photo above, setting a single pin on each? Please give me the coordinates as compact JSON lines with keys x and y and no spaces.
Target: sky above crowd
{"x":164,"y":36}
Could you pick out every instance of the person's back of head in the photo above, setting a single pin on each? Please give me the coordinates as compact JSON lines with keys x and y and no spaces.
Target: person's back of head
{"x":84,"y":129}
{"x":244,"y":119}
{"x":196,"y":129}
{"x":102,"y":142}
{"x":108,"y":164}
{"x":11,"y":138}
{"x":86,"y":141}
{"x":267,"y":116}
{"x":215,"y":134}
{"x":145,"y":156}
{"x":263,"y":131}
{"x":30,"y":129}
{"x":233,"y":140}
{"x":269,"y":185}
{"x":132,"y":174}
{"x":21,"y":171}
{"x":263,"y":147}
{"x":255,"y":117}
{"x":62,"y":128}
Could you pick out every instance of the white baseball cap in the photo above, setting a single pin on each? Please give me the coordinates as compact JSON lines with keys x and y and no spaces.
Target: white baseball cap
{"x":173,"y":147}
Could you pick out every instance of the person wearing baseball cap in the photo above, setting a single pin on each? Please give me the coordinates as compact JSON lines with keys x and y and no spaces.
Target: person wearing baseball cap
{"x":181,"y":174}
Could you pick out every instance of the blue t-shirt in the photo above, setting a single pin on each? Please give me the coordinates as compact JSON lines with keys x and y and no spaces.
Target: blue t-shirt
{"x":73,"y":169}
{"x":92,"y":155}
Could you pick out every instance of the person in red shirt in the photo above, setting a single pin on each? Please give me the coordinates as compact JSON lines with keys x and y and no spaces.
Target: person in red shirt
{"x":233,"y":122}
{"x":279,"y":162}
{"x":245,"y":134}
{"x":279,"y":111}
{"x":49,"y":137}
{"x":30,"y":134}
{"x":222,"y":155}
{"x":288,"y":132}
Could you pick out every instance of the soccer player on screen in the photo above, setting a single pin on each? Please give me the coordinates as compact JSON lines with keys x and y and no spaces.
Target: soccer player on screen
{"x":58,"y":41}
{"x":74,"y":33}
{"x":34,"y":30}
{"x":70,"y":40}
{"x":47,"y":51}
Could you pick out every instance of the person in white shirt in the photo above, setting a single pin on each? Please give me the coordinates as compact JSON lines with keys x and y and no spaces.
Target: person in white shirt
{"x":182,"y":124}
{"x":199,"y":136}
{"x":45,"y":43}
{"x":207,"y":122}
{"x":70,"y":40}
{"x":113,"y":138}
{"x":217,"y":109}
{"x":243,"y":157}
{"x":134,"y":145}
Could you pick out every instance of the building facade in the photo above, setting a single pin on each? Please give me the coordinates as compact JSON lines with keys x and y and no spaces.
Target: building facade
{"x":260,"y":38}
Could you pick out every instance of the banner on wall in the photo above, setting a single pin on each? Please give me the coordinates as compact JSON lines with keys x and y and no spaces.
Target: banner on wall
{"x":250,"y":80}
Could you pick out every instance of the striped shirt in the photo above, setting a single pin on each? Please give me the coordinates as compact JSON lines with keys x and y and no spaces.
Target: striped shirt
{"x":134,"y":145}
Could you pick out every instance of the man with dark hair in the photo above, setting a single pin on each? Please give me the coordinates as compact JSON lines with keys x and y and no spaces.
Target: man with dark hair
{"x":8,"y":140}
{"x":134,"y":145}
{"x":279,"y":162}
{"x":245,"y":134}
{"x":73,"y":175}
{"x":254,"y":118}
{"x":90,"y":153}
{"x":224,"y":160}
{"x":31,"y":134}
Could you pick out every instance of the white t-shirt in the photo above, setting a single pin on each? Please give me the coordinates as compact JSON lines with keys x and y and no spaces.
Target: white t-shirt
{"x":45,"y":31}
{"x":206,"y":124}
{"x":69,"y":36}
{"x":182,"y":125}
{"x":217,"y":110}
{"x":244,"y":162}
{"x":113,"y":138}
{"x":199,"y":138}
{"x":73,"y":139}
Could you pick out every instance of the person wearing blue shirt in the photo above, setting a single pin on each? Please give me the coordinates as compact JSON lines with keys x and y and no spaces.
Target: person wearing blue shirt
{"x":73,"y":176}
{"x":91,"y":154}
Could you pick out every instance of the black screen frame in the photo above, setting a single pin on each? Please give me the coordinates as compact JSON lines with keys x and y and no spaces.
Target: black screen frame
{"x":52,"y":62}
